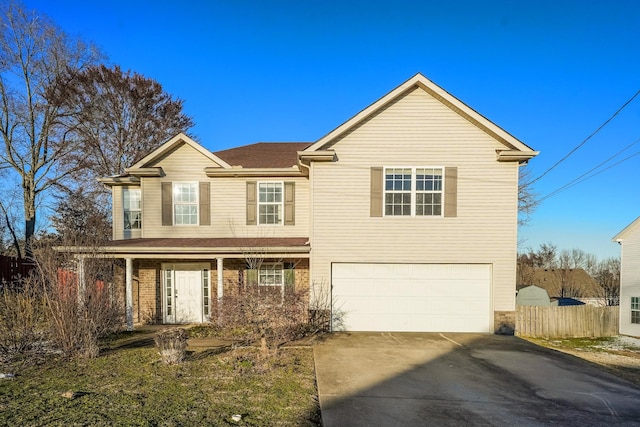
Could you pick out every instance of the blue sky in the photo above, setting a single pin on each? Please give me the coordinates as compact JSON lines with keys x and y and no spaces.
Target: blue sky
{"x":549,"y":72}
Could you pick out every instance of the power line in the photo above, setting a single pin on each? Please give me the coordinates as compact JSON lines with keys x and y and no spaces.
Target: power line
{"x":588,"y":138}
{"x":584,"y":176}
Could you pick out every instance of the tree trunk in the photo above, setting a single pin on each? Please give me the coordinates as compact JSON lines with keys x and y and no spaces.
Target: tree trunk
{"x":29,"y":218}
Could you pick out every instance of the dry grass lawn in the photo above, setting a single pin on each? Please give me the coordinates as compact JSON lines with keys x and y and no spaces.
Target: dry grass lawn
{"x":127,"y":385}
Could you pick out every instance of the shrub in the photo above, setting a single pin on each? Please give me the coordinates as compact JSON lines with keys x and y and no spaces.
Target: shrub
{"x":22,"y":315}
{"x":78,"y":312}
{"x":265,"y":316}
{"x":172,"y":345}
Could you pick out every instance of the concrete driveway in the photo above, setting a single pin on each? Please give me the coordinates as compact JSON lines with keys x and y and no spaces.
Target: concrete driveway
{"x":408,"y":379}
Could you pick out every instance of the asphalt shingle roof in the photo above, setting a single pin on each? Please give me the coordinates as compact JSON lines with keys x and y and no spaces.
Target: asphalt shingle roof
{"x":264,"y":154}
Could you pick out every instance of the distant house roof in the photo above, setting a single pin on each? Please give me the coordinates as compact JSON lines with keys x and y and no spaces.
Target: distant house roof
{"x":577,"y":282}
{"x":264,"y":154}
{"x":564,"y":302}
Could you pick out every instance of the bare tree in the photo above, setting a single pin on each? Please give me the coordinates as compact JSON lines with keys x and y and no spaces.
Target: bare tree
{"x":120,"y":117}
{"x":546,"y":256}
{"x":567,"y":286}
{"x":36,"y":63}
{"x":77,"y":217}
{"x":527,"y":198}
{"x":607,"y":276}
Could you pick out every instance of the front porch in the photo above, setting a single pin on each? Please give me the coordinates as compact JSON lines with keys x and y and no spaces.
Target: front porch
{"x":185,"y":280}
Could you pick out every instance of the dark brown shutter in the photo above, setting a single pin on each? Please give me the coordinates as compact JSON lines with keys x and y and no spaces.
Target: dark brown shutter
{"x":252,"y":205}
{"x":450,"y":192}
{"x":167,"y":203}
{"x":205,"y":203}
{"x":289,"y":203}
{"x":376,"y":191}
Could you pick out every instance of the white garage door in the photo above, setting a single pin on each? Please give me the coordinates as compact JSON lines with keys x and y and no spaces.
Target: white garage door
{"x":411,"y":297}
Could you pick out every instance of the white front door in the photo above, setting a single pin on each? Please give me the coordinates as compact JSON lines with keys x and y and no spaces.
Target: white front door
{"x":188,"y":296}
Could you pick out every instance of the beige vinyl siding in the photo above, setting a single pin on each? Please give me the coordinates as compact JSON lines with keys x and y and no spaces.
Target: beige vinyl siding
{"x":418,"y":131}
{"x":629,"y":280}
{"x":227,"y":202}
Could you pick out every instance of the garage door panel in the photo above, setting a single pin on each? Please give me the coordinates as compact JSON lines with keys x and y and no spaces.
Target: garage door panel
{"x":413,"y":297}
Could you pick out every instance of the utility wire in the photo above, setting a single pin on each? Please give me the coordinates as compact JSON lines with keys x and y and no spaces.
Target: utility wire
{"x":588,"y":138}
{"x":584,"y":176}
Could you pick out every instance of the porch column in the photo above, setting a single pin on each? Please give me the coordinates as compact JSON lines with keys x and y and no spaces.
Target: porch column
{"x":128,"y":284}
{"x":219,"y":269}
{"x":81,"y":280}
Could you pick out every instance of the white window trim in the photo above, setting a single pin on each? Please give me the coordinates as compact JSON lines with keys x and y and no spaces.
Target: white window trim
{"x":631,"y":310}
{"x":414,"y":192}
{"x":174,"y":203}
{"x":125,"y":208}
{"x":281,"y":183}
{"x":272,"y":266}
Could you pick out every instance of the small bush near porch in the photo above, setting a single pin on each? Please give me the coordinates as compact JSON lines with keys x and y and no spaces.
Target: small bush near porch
{"x":129,"y":385}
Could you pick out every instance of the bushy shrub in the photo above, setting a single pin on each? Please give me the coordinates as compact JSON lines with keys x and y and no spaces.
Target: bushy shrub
{"x":22,"y":319}
{"x":172,"y":345}
{"x":80,"y":308}
{"x":265,"y":316}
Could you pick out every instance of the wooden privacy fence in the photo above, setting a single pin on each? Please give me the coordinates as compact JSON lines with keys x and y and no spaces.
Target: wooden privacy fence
{"x":12,"y":268}
{"x":566,"y":322}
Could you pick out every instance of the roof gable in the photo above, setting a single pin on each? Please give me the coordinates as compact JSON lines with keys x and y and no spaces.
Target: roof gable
{"x":514,"y":148}
{"x":629,"y":229}
{"x":170,"y":145}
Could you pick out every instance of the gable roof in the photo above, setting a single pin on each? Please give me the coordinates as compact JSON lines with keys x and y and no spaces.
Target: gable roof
{"x":180,"y":138}
{"x":628,"y":229}
{"x":514,"y":148}
{"x":577,"y":281}
{"x":263,"y":154}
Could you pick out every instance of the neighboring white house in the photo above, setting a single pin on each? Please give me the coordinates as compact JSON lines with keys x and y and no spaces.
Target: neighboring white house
{"x":629,"y":239}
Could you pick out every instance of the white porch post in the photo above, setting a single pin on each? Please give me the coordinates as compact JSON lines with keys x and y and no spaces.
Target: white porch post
{"x":81,"y":280}
{"x":128,"y":283}
{"x":219,"y":269}
{"x":220,"y":293}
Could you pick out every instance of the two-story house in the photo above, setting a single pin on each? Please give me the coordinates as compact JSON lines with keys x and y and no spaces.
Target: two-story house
{"x":405,"y":215}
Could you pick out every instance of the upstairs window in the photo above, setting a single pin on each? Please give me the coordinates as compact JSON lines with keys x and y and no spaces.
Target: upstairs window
{"x":413,"y":191}
{"x":429,"y":191}
{"x":397,"y":187}
{"x":185,"y":203}
{"x":132,"y":198}
{"x":270,"y":202}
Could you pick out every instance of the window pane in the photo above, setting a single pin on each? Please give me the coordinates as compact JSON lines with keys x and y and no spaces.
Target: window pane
{"x":398,"y":180}
{"x":186,"y":214}
{"x":635,"y":303}
{"x":185,"y":192}
{"x":429,"y":179}
{"x":132,"y":221}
